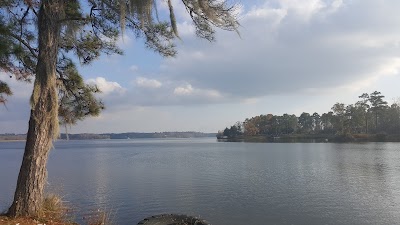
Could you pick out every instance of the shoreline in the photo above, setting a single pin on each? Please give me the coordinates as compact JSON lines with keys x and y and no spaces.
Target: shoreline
{"x":314,"y":138}
{"x":16,"y":140}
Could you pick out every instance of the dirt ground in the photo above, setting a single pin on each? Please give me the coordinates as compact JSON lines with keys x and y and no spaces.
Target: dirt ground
{"x":29,"y":221}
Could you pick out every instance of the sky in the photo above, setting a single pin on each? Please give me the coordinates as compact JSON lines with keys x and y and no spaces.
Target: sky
{"x":291,"y":56}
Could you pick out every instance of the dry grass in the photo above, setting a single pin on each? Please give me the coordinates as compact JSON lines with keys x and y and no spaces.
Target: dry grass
{"x":53,"y":208}
{"x":54,"y":212}
{"x":30,"y":221}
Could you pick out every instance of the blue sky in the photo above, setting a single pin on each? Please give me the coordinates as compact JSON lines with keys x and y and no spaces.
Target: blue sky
{"x":292,"y":56}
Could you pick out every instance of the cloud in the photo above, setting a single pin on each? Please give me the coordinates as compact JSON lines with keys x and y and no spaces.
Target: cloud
{"x":147,"y":83}
{"x":188,"y":90}
{"x":184,"y":90}
{"x":151,"y":92}
{"x":286,"y":47}
{"x":303,"y":9}
{"x":292,"y":46}
{"x":106,"y":87}
{"x":390,"y":68}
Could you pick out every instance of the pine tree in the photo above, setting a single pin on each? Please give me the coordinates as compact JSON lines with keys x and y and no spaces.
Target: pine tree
{"x":38,"y":39}
{"x":377,"y":105}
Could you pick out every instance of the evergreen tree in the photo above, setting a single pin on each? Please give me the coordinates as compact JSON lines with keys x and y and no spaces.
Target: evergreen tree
{"x":38,"y":39}
{"x":305,"y":122}
{"x":4,"y":90}
{"x":377,"y":105}
{"x":364,"y":106}
{"x":316,"y":122}
{"x":339,"y":112}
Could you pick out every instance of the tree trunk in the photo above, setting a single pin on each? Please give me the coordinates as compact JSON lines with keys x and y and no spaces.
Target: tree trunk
{"x":43,"y":122}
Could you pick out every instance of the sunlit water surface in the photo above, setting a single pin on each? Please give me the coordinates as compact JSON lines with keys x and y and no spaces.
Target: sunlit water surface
{"x":224,"y":183}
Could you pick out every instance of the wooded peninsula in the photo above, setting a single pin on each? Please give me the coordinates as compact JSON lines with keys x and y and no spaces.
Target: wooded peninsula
{"x":369,"y":119}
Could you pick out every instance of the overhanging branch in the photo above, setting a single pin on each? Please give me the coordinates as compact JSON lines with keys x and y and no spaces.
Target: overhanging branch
{"x":26,"y":44}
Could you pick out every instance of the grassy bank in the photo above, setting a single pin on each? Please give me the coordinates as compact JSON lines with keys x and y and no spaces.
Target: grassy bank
{"x":30,"y":221}
{"x":55,"y":212}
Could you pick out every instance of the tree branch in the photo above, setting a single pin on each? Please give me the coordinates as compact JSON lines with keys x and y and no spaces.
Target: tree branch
{"x":26,"y":44}
{"x":21,"y":22}
{"x":85,"y":19}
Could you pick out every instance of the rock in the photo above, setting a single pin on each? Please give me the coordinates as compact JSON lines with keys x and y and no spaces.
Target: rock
{"x":172,"y":219}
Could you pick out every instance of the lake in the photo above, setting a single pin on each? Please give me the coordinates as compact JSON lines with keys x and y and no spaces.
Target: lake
{"x":222,"y":182}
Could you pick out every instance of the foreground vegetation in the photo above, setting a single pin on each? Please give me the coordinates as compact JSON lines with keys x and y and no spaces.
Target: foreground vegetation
{"x":369,"y":119}
{"x":28,"y":221}
{"x":54,"y":211}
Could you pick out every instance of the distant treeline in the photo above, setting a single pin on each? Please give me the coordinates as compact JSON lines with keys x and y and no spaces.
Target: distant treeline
{"x":129,"y":135}
{"x":12,"y":137}
{"x":371,"y":116}
{"x":84,"y":136}
{"x":132,"y":135}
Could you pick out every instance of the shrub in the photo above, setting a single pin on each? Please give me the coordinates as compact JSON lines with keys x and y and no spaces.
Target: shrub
{"x":381,"y":137}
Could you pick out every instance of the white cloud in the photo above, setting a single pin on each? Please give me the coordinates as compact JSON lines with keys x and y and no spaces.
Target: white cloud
{"x":305,"y":9}
{"x":273,"y":15}
{"x":147,"y":83}
{"x":336,"y":4}
{"x":188,"y":90}
{"x":184,"y":90}
{"x":212,"y":93}
{"x":251,"y":100}
{"x":389,"y":68}
{"x":106,"y":87}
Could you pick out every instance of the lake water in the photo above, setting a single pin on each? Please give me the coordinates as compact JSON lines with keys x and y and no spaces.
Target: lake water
{"x":224,"y":183}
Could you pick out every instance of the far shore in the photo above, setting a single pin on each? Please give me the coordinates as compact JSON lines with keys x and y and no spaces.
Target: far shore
{"x":13,"y":140}
{"x":314,"y":138}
